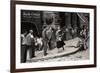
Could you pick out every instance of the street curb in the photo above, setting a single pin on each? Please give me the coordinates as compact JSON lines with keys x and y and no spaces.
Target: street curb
{"x":54,"y":56}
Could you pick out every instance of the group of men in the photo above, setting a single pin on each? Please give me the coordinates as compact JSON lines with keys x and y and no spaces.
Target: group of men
{"x":27,"y":43}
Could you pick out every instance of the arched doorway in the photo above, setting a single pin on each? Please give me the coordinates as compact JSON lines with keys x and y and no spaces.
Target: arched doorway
{"x":26,"y":26}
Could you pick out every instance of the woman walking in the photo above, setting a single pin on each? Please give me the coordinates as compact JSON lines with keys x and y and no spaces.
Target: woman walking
{"x":60,"y":42}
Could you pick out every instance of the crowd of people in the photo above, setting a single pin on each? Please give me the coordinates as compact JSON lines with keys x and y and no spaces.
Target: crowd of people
{"x":32,"y":43}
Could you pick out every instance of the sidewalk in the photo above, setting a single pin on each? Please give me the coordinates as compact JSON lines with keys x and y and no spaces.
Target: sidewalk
{"x":69,"y":48}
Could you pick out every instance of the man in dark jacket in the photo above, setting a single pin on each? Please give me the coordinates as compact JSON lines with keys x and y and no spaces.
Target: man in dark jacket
{"x":23,"y":47}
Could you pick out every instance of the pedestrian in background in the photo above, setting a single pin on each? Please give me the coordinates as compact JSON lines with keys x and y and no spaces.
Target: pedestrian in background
{"x":83,"y":35}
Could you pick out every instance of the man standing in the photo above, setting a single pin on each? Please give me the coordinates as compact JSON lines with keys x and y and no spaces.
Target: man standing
{"x":23,"y":47}
{"x":45,"y":41}
{"x":46,"y":35}
{"x":84,"y":37}
{"x":30,"y":44}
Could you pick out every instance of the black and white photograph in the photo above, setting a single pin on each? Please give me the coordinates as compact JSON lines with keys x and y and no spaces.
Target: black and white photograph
{"x":51,"y":36}
{"x":54,"y":36}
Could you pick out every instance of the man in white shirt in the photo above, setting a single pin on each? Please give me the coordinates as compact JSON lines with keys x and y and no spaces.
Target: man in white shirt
{"x":30,"y":42}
